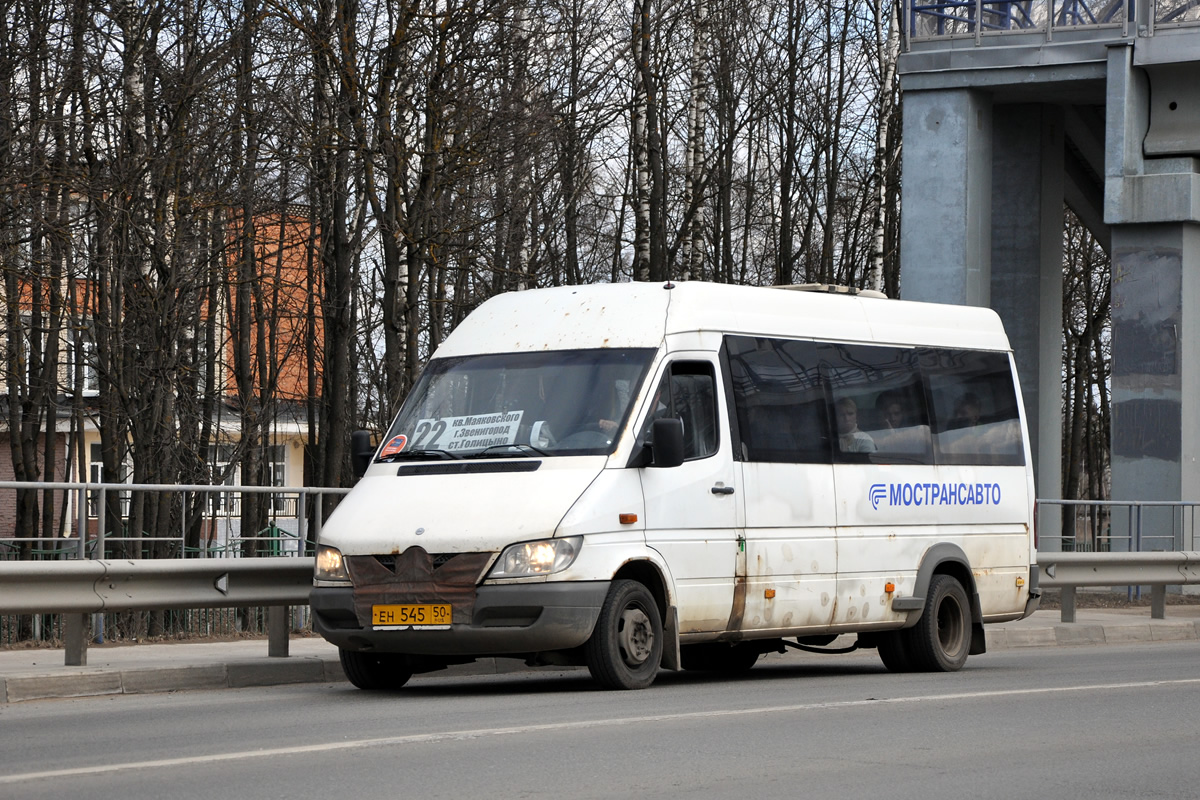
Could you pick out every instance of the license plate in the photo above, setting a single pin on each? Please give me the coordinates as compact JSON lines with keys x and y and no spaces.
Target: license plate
{"x":411,"y":616}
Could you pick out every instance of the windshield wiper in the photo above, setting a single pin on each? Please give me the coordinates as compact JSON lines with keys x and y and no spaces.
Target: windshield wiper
{"x":412,"y":455}
{"x":522,"y":450}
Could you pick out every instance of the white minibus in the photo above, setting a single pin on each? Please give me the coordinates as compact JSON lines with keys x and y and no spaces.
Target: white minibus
{"x":687,"y":476}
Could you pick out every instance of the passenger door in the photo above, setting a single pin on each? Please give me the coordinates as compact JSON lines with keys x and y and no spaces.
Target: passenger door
{"x":787,"y":479}
{"x":692,"y":510}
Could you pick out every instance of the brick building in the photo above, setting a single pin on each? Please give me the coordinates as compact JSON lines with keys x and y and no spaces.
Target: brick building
{"x":285,"y":302}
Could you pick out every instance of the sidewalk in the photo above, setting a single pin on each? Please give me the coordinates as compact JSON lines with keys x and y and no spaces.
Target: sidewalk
{"x":143,"y":668}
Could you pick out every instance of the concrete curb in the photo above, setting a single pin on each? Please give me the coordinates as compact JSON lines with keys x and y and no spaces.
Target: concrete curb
{"x":235,"y":675}
{"x":1075,"y":634}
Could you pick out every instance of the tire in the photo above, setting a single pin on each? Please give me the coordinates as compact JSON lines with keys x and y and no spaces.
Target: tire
{"x":941,"y":639}
{"x":625,"y":649}
{"x":375,"y":671}
{"x":893,"y":651}
{"x":718,"y":657}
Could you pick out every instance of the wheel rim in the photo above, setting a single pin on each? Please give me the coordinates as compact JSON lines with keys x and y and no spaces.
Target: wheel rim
{"x":635,"y":637}
{"x":951,"y":630}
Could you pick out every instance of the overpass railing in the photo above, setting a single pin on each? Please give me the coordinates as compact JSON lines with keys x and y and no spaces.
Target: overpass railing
{"x":924,"y":20}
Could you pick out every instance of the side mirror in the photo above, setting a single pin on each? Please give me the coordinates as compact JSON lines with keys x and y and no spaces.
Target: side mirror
{"x":667,"y":438}
{"x":361,"y":452}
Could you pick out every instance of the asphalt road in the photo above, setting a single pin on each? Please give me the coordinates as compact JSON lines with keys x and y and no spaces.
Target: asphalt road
{"x":1117,"y":721}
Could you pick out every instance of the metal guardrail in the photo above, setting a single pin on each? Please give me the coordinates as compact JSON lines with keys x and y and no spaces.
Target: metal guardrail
{"x":76,"y":588}
{"x":79,"y":587}
{"x":87,"y":587}
{"x":1069,"y":571}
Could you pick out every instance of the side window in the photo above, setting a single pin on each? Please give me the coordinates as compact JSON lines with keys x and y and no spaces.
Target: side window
{"x":779,"y":400}
{"x":877,"y":404}
{"x":688,"y":393}
{"x":975,"y":417}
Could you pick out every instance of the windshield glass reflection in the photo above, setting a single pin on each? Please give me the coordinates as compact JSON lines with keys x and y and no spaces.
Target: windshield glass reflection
{"x":568,"y":402}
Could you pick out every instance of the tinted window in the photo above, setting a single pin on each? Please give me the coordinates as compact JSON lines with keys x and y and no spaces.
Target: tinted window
{"x":810,"y":402}
{"x":688,"y":393}
{"x":877,"y":403}
{"x":974,"y":404}
{"x":779,"y":400}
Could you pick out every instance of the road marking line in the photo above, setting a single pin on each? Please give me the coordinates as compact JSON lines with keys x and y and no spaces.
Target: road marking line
{"x":425,"y":738}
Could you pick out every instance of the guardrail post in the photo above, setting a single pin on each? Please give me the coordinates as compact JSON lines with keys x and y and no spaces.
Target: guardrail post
{"x":1068,"y":604}
{"x":1158,"y":602}
{"x":277,"y":631}
{"x":75,"y":639}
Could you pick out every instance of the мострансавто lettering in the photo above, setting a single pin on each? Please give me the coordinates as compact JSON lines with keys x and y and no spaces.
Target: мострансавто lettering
{"x":935,"y":494}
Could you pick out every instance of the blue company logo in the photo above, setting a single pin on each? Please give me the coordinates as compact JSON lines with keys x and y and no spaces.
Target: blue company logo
{"x":934,"y":494}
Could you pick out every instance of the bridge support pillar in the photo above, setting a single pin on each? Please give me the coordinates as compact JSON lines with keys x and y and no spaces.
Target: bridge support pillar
{"x":982,"y":225}
{"x":1152,"y":202}
{"x":1155,"y":373}
{"x":1027,"y":289}
{"x":947,"y":195}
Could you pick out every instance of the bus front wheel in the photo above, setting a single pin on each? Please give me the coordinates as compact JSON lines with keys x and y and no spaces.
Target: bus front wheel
{"x":626,"y":646}
{"x":375,"y":670}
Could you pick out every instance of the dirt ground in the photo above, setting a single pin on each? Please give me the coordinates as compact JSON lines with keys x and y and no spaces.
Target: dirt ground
{"x":1089,"y":598}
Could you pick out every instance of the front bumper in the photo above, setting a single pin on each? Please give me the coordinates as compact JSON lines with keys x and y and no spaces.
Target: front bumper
{"x":512,"y":619}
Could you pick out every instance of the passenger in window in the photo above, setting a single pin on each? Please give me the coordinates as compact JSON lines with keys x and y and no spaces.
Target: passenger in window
{"x":891,"y":410}
{"x":967,"y":411}
{"x":604,"y":412}
{"x":850,"y":438}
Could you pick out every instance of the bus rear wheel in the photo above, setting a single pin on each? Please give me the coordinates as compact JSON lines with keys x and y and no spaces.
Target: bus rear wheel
{"x":941,"y":639}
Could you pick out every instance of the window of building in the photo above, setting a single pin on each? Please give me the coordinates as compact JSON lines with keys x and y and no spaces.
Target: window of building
{"x":82,"y":361}
{"x":96,"y":475}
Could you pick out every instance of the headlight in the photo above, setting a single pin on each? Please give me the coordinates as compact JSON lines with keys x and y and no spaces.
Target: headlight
{"x":330,"y":566}
{"x":537,"y":558}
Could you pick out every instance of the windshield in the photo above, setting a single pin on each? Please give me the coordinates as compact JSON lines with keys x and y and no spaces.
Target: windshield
{"x":568,"y":402}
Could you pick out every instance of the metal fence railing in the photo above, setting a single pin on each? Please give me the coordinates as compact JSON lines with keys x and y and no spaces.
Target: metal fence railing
{"x":203,"y":521}
{"x":1123,"y":526}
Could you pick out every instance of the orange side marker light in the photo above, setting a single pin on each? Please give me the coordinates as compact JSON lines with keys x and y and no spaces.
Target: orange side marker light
{"x":627,"y":519}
